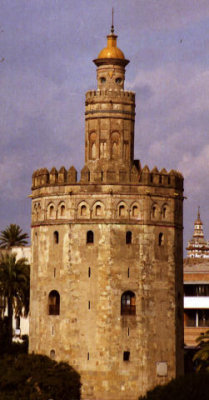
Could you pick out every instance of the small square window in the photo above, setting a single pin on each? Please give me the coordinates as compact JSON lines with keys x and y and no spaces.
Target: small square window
{"x":126,"y":355}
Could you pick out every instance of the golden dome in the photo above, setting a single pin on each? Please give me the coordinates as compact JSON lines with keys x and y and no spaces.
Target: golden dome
{"x":111,"y":51}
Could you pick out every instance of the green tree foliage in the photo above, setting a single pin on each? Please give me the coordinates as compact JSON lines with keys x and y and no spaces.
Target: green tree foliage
{"x":14,"y":286}
{"x":202,"y":355}
{"x":36,"y":377}
{"x":13,"y":236}
{"x":189,"y":387}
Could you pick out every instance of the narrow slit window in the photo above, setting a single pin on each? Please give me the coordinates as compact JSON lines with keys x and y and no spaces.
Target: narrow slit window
{"x":161,"y":239}
{"x":128,"y":237}
{"x":128,"y":272}
{"x":128,"y":332}
{"x":89,"y":272}
{"x":88,"y":356}
{"x":126,"y":355}
{"x":89,"y":305}
{"x":54,"y":272}
{"x":56,"y":237}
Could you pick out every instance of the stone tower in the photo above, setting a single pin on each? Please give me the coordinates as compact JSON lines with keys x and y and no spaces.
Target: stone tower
{"x":106,"y":279}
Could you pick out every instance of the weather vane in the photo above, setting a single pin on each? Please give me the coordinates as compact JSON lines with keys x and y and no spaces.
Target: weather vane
{"x":112,"y":27}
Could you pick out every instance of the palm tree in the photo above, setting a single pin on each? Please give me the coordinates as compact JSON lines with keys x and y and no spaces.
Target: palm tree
{"x":202,"y":355}
{"x":12,"y":236}
{"x":14,"y":286}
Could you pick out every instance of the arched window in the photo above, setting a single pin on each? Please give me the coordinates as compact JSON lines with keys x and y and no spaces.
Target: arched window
{"x":128,"y":237}
{"x":161,"y":239}
{"x":128,"y":303}
{"x":92,"y":145}
{"x":62,"y":210}
{"x":54,"y":303}
{"x":98,"y":210}
{"x":56,"y":237}
{"x":52,"y":354}
{"x":115,"y":138}
{"x":90,"y":237}
{"x":103,"y":149}
{"x":114,"y":149}
{"x":153,"y":211}
{"x":164,"y":211}
{"x":93,"y":150}
{"x":83,"y":211}
{"x":51,"y":211}
{"x":135,"y":211}
{"x":121,"y":211}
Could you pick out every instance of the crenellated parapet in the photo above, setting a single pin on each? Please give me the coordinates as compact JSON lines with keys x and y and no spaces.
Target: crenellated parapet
{"x":110,"y":93}
{"x":44,"y":177}
{"x":130,"y":176}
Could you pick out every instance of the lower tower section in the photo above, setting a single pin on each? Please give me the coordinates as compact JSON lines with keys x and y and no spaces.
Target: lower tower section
{"x":106,"y":281}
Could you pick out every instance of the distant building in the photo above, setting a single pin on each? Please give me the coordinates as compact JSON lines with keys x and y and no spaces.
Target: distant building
{"x":198,"y":247}
{"x":196,"y":286}
{"x":20,"y":324}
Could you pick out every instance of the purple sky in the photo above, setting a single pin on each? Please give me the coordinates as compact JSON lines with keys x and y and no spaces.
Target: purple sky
{"x":48,"y":47}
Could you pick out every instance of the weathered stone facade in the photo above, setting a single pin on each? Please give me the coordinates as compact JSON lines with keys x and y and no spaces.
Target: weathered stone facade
{"x":106,"y":280}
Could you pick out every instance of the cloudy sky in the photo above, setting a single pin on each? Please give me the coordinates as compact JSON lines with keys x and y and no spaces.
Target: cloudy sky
{"x":46,"y":53}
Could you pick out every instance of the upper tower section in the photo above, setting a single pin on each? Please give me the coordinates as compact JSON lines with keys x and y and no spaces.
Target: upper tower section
{"x":109,"y":113}
{"x":111,"y":64}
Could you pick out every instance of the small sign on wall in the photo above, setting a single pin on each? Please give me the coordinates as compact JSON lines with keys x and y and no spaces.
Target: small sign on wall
{"x":162,"y":368}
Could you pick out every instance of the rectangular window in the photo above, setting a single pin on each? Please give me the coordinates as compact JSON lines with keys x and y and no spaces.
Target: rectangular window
{"x":126,"y":355}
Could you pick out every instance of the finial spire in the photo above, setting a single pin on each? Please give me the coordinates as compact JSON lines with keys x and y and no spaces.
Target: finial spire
{"x":112,"y":26}
{"x":198,"y":213}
